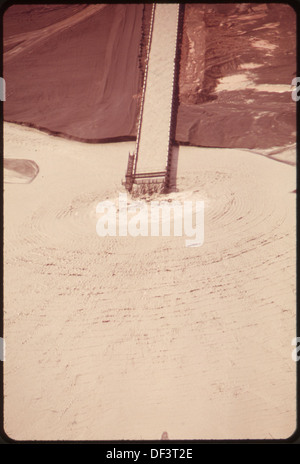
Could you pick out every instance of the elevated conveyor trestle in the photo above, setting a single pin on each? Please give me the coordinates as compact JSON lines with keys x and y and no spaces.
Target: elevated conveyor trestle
{"x":157,"y":120}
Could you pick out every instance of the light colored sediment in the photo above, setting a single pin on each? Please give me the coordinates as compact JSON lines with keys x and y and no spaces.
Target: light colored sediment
{"x":242,"y":82}
{"x":20,"y":171}
{"x":127,"y":338}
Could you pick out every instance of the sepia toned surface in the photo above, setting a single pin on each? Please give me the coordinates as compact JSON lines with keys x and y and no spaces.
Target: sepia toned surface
{"x":111,"y":338}
{"x":89,"y":60}
{"x":123,"y":337}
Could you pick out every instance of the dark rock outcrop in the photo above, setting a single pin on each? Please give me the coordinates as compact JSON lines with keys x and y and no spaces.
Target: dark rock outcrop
{"x":76,"y":71}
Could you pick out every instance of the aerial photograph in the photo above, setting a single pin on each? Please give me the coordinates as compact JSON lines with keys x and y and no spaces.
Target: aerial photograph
{"x":149,"y":221}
